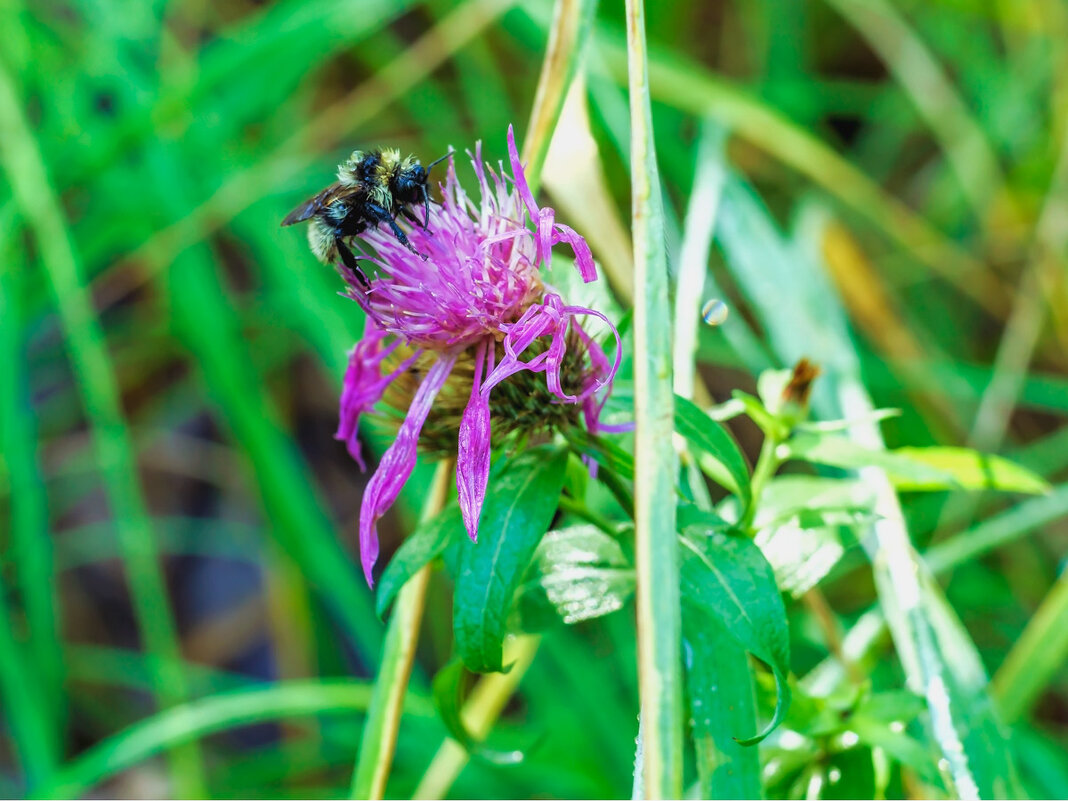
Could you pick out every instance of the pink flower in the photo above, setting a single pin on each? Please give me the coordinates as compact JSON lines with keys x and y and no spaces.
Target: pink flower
{"x":478,"y":301}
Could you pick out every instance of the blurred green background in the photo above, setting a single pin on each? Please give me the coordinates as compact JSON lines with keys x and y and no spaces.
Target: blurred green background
{"x":177,"y":520}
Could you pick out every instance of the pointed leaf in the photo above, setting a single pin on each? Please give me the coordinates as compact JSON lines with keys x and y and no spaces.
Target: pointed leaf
{"x":727,"y":578}
{"x":448,"y":687}
{"x":706,"y":435}
{"x":518,"y":510}
{"x":972,"y":470}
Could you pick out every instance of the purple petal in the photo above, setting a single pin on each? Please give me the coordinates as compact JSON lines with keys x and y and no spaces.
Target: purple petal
{"x":362,"y":386}
{"x":554,"y":358}
{"x":397,"y":463}
{"x":583,"y":257}
{"x":520,"y":178}
{"x":473,"y":452}
{"x":597,"y":356}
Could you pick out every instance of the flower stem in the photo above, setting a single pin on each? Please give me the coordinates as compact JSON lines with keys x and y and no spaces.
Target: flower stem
{"x":480,"y":712}
{"x":379,"y":738}
{"x":659,"y":626}
{"x":767,"y":464}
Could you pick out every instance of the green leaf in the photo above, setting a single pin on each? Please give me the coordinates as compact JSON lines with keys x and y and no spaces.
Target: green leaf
{"x":920,"y":469}
{"x":706,"y":435}
{"x":839,"y":451}
{"x":519,"y":508}
{"x":728,"y":579}
{"x":805,"y":524}
{"x":802,"y":556}
{"x":765,"y":420}
{"x":785,"y":497}
{"x":607,"y":454}
{"x":579,"y":573}
{"x":448,"y":697}
{"x":973,"y":470}
{"x":880,"y":720}
{"x":848,"y":774}
{"x":426,"y":543}
{"x":719,"y":691}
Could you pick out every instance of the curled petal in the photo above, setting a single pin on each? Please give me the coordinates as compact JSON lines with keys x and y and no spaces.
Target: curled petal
{"x":597,"y":355}
{"x":548,"y":231}
{"x":583,"y":256}
{"x":473,"y":452}
{"x":554,"y":358}
{"x":397,"y":463}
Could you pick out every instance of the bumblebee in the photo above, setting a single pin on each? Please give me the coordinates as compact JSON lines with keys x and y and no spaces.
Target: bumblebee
{"x":372,"y":187}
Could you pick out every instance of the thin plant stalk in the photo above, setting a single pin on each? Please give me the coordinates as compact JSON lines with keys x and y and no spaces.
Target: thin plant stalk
{"x":659,"y":622}
{"x":95,"y":378}
{"x":1037,"y":656}
{"x":25,"y":711}
{"x":481,"y":711}
{"x":398,"y":653}
{"x":29,"y":541}
{"x":568,"y":32}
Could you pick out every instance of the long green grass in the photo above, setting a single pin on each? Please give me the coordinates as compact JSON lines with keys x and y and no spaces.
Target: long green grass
{"x":877,"y":185}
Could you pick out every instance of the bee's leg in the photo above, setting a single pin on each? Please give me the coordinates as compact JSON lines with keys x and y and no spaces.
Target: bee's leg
{"x":407,"y":212}
{"x":350,"y":261}
{"x":426,"y":207}
{"x":382,"y":215}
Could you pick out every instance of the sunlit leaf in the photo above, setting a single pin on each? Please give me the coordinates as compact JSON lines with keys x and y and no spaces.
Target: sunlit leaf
{"x":972,"y":470}
{"x":579,"y":573}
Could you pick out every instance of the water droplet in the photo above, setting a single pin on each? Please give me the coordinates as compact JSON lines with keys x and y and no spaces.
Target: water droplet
{"x":715,"y":312}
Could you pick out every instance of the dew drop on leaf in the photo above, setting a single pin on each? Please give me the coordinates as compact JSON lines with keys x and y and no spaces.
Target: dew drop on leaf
{"x":715,"y":312}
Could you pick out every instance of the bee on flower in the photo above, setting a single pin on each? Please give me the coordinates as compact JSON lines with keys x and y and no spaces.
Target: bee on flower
{"x":470,"y":344}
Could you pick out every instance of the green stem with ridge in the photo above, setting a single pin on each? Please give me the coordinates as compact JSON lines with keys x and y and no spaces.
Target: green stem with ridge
{"x":659,"y":623}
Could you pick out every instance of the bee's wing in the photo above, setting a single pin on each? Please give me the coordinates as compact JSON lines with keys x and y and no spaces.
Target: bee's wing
{"x":309,"y":207}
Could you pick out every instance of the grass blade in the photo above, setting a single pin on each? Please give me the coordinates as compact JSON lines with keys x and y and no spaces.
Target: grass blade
{"x":206,"y":716}
{"x":30,"y":539}
{"x":568,"y":32}
{"x":25,"y":711}
{"x":111,"y":441}
{"x":657,"y":559}
{"x":1037,"y":656}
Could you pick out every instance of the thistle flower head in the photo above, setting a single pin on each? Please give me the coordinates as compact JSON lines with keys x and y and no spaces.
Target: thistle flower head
{"x":476,"y":315}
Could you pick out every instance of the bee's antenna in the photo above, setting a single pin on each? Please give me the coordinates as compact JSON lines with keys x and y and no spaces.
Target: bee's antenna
{"x":437,"y":161}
